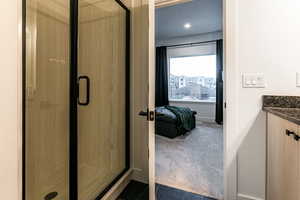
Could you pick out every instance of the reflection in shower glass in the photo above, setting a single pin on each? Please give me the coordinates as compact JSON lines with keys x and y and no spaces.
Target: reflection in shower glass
{"x":47,"y":100}
{"x":102,"y":123}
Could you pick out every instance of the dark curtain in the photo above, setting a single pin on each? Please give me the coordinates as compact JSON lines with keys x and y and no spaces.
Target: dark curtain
{"x":219,"y":83}
{"x":161,"y":77}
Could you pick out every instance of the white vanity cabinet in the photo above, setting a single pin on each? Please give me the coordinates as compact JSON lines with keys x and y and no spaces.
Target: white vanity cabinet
{"x":283,"y":162}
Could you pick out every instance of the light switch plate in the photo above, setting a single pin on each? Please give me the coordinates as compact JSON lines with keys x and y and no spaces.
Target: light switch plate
{"x":253,"y":80}
{"x":298,"y":79}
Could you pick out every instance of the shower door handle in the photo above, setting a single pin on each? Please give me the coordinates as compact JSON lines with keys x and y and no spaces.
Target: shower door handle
{"x":87,"y":100}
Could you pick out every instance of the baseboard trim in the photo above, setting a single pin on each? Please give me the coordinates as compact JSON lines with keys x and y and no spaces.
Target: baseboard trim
{"x":116,"y":190}
{"x":247,"y":197}
{"x":139,"y":175}
{"x":204,"y":119}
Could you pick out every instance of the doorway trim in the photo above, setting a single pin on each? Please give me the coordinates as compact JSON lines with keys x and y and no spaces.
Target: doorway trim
{"x":230,"y":95}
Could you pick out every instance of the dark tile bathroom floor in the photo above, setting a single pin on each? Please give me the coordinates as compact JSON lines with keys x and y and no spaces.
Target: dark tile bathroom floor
{"x":140,"y":191}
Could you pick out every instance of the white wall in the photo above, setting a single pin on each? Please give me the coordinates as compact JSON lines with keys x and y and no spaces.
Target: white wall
{"x":262,"y":36}
{"x":10,"y":104}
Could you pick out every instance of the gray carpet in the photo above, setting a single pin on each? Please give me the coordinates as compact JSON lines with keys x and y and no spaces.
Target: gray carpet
{"x":193,"y":162}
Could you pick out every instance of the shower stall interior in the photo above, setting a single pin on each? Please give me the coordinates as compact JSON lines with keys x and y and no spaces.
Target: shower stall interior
{"x":75,"y":98}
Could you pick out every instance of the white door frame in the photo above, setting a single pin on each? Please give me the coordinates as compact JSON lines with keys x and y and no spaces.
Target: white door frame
{"x":151,"y":102}
{"x":230,"y":97}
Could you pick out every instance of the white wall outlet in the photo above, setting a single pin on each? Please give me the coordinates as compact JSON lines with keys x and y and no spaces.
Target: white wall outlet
{"x":253,"y":80}
{"x":298,"y":79}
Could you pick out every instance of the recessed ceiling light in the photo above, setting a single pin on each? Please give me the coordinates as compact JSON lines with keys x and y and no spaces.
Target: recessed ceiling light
{"x":187,"y":25}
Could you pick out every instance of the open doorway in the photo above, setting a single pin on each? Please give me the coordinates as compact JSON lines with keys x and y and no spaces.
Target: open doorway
{"x":189,"y":99}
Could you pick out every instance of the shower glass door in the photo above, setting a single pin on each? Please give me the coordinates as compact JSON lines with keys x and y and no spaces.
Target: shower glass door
{"x":46,"y":100}
{"x":103,"y":96}
{"x":75,"y":98}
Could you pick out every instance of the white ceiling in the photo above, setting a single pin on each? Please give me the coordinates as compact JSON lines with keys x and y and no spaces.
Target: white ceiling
{"x":204,"y":15}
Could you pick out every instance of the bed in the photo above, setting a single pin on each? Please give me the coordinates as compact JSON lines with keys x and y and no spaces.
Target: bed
{"x":173,"y":121}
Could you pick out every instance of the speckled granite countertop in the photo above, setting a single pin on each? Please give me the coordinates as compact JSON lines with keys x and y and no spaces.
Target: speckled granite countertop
{"x":287,"y":107}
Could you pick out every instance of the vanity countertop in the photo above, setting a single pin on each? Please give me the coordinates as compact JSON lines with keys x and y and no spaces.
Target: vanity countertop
{"x":286,"y":107}
{"x":290,"y":114}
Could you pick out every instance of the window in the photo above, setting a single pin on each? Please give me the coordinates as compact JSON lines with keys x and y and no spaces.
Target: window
{"x":192,"y":78}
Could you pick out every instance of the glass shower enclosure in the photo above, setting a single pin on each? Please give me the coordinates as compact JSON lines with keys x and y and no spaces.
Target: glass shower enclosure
{"x":75,"y":98}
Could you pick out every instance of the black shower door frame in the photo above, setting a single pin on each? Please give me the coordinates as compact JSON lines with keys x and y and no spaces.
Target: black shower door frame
{"x":73,"y":115}
{"x":73,"y":182}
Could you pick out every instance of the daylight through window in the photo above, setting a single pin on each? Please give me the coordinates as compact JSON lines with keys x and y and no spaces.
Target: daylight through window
{"x":193,"y":78}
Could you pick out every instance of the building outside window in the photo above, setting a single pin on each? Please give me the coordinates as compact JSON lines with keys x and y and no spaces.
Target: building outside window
{"x":192,"y":78}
